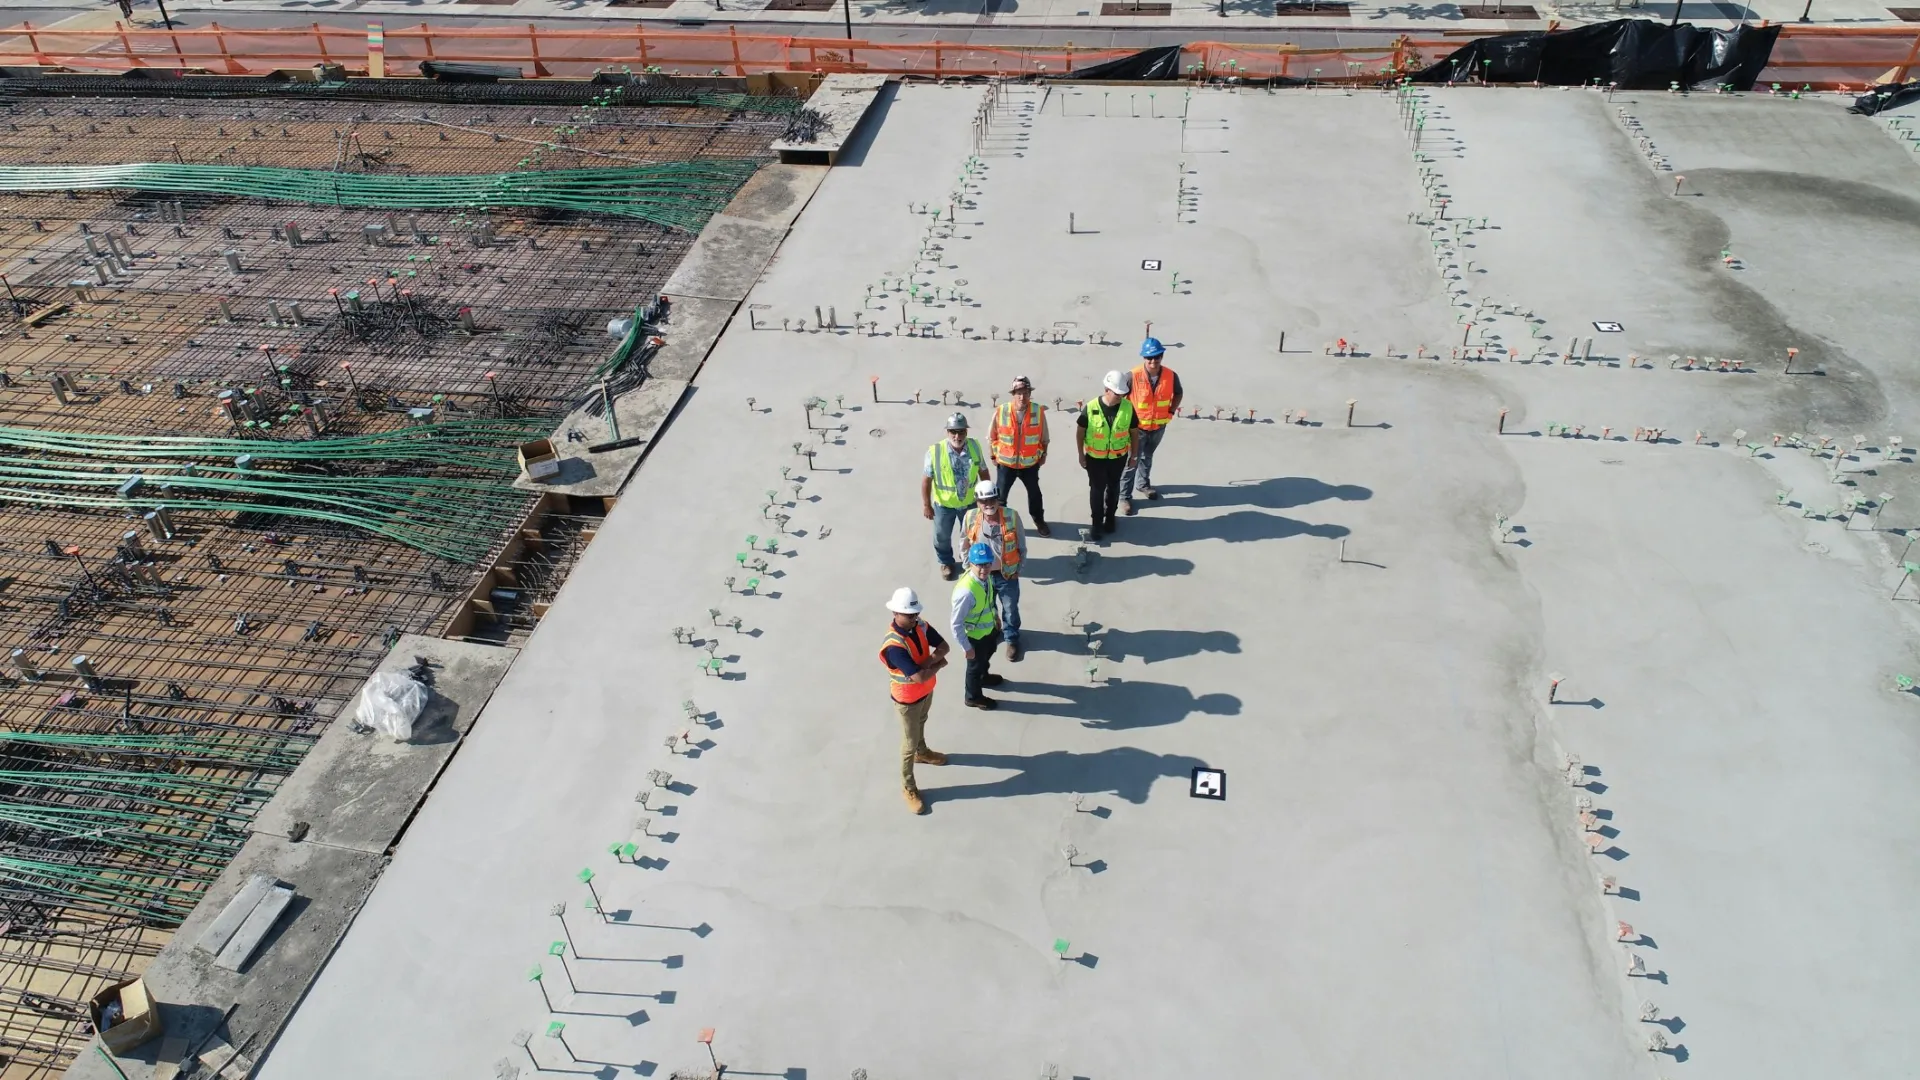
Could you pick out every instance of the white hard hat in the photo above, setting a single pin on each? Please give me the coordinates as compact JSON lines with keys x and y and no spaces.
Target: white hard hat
{"x":1117,"y":381}
{"x":986,"y":489}
{"x":905,"y":601}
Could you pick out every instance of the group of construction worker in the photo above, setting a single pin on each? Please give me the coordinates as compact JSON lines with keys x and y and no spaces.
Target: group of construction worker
{"x":1117,"y":434}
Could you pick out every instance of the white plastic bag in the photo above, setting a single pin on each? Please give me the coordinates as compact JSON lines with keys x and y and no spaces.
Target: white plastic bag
{"x":391,"y":703}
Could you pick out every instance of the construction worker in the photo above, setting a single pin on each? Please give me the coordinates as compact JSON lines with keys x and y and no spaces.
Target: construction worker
{"x":913,"y":653}
{"x":1107,"y":446}
{"x":1019,"y":440}
{"x":953,"y":469}
{"x":1156,"y":398}
{"x":974,"y":626}
{"x":998,"y":526}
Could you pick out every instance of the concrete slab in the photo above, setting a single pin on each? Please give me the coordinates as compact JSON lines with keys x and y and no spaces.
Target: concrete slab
{"x":1400,"y":883}
{"x":776,"y":194}
{"x":726,"y":260}
{"x":843,"y":100}
{"x":201,"y":1001}
{"x":358,"y":790}
{"x":641,"y":412}
{"x":693,"y":325}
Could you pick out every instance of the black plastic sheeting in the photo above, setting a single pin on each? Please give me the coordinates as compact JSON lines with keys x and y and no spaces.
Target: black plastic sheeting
{"x":1634,"y":54}
{"x":1158,"y":64}
{"x":457,"y":71}
{"x":1881,"y":98}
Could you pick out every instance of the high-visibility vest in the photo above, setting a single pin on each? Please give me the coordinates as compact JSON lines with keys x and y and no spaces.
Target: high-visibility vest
{"x":947,"y":490}
{"x":1109,"y":440}
{"x":979,"y":622}
{"x":976,"y":527}
{"x":1153,"y":404}
{"x":904,"y":692}
{"x":1018,"y":442}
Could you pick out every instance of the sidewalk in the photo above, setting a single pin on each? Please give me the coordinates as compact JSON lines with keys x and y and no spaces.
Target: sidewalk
{"x":1186,"y":18}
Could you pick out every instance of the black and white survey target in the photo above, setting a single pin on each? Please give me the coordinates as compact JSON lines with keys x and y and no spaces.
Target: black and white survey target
{"x":1208,"y":783}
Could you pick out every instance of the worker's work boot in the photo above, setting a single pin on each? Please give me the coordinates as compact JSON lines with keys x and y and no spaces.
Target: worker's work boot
{"x":1015,"y":652}
{"x":1040,"y":527}
{"x":992,"y":678}
{"x":1107,"y":526}
{"x":982,"y":702}
{"x":1150,"y":492}
{"x":1126,"y":507}
{"x":949,"y":572}
{"x":914,"y":802}
{"x":929,"y":757}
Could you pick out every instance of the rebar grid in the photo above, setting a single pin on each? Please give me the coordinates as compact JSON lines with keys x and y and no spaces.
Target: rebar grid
{"x":375,"y":138}
{"x":213,"y":659}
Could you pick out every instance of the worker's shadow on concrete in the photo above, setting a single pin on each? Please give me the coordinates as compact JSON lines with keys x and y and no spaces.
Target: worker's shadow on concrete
{"x":1103,"y":567}
{"x":1238,"y":527}
{"x":1152,"y":645}
{"x":1120,"y":704}
{"x":1127,"y":772}
{"x":1274,"y":493}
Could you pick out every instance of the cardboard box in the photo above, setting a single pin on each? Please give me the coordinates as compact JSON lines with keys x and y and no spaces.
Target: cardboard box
{"x":140,"y":1019}
{"x":538,"y":460}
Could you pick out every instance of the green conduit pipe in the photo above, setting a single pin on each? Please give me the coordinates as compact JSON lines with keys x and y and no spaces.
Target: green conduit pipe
{"x":455,"y":518}
{"x":680,"y":195}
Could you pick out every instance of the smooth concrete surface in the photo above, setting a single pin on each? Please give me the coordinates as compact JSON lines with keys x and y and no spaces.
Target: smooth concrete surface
{"x":1359,"y":623}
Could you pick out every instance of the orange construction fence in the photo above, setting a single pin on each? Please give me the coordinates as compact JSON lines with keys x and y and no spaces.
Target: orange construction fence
{"x":1825,"y":57}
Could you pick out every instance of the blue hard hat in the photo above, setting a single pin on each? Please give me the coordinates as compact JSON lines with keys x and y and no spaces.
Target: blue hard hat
{"x":1151,"y":347}
{"x":980,"y":554}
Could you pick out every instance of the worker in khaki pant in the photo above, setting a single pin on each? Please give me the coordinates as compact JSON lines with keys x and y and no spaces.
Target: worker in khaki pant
{"x":913,"y":653}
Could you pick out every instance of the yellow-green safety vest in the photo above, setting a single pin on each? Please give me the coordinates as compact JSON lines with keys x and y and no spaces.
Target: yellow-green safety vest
{"x":946,"y":492}
{"x":1109,"y":440}
{"x":980,"y":617}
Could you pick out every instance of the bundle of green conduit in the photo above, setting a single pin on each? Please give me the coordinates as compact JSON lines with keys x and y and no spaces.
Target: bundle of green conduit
{"x":680,"y":195}
{"x":454,"y":517}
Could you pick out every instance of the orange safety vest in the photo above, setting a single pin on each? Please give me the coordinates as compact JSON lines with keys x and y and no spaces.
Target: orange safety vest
{"x":1009,"y":536}
{"x":1152,"y":404}
{"x":904,"y":692}
{"x":1019,"y":443}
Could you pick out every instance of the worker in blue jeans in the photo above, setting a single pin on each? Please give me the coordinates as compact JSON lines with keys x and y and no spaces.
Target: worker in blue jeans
{"x":953,"y":469}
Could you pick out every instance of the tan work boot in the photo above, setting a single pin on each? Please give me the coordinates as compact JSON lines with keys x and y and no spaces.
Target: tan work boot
{"x":914,"y":802}
{"x":929,"y":757}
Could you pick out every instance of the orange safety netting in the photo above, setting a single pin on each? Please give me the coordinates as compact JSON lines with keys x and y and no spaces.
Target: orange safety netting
{"x":1825,"y":57}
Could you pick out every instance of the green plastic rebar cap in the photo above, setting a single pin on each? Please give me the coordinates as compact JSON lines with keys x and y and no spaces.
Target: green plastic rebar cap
{"x":558,"y":948}
{"x":585,"y":875}
{"x":627,"y":851}
{"x":534,"y":973}
{"x":1060,"y":947}
{"x":554,"y":1028}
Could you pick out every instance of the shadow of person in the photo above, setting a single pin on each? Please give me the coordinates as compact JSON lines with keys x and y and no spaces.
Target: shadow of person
{"x":1126,"y":772}
{"x":1238,"y":527}
{"x":1273,"y":493}
{"x":1103,"y":567}
{"x":1119,"y":704}
{"x":1151,"y":645}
